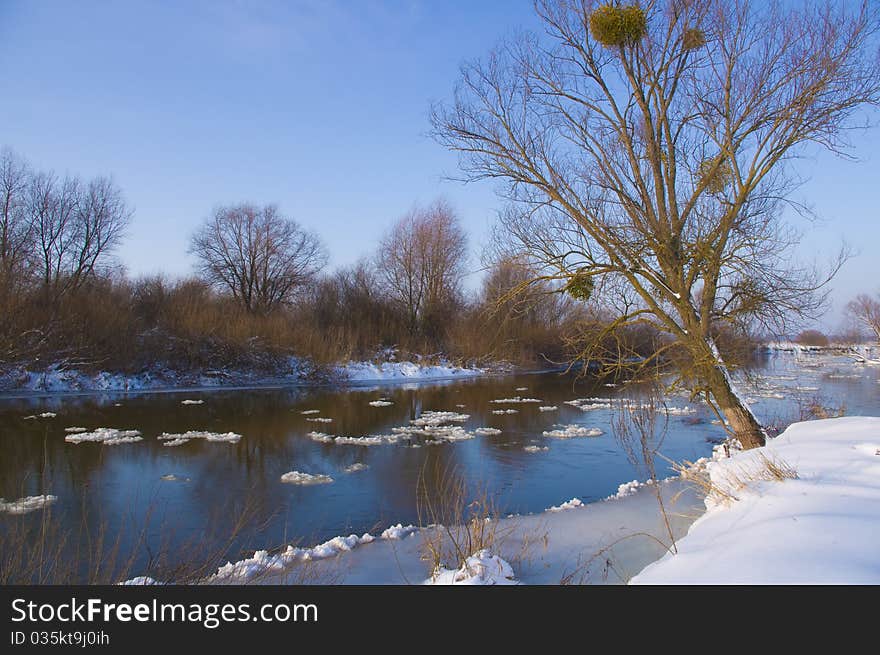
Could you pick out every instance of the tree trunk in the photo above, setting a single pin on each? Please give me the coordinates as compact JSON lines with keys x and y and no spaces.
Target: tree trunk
{"x":742,"y":421}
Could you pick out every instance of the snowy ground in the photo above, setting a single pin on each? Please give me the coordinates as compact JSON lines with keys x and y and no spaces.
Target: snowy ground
{"x":603,"y":542}
{"x":820,"y":527}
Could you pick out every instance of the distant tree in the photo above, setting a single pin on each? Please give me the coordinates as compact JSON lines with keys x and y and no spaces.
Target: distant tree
{"x":421,"y":262}
{"x":75,"y":226}
{"x":646,"y":147}
{"x":257,"y":254}
{"x":16,"y":225}
{"x":866,"y":310}
{"x":812,"y":338}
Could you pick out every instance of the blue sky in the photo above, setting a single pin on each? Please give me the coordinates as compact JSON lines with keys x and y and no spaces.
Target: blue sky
{"x":320,"y":106}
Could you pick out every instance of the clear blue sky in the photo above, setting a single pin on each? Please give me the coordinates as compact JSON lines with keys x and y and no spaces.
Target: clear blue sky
{"x":320,"y":106}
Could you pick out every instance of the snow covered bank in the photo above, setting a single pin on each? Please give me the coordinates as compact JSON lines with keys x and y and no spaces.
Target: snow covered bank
{"x":360,"y":372}
{"x":293,"y":371}
{"x":805,"y":509}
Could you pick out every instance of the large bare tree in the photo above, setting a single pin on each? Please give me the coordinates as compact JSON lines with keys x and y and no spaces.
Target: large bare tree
{"x":16,"y":226}
{"x":421,"y":262}
{"x":647,"y":150}
{"x":257,"y":254}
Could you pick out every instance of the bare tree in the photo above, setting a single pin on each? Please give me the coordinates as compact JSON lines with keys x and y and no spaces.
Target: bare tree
{"x":257,"y":254}
{"x":866,"y":310}
{"x":76,"y":225}
{"x":16,"y":226}
{"x":422,"y":261}
{"x":646,"y":149}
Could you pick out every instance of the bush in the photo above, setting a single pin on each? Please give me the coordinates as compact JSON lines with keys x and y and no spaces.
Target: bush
{"x":618,"y":26}
{"x":812,"y":338}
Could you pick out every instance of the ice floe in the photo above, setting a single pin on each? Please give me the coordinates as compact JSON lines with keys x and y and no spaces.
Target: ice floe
{"x":25,"y":505}
{"x":296,"y":477}
{"x":571,"y":431}
{"x":178,"y":439}
{"x":106,"y":436}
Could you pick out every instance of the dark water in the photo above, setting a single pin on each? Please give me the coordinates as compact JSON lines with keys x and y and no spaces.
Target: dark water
{"x":121,"y":488}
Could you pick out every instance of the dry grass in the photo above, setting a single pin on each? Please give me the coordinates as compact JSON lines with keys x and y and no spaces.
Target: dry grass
{"x":763,"y":468}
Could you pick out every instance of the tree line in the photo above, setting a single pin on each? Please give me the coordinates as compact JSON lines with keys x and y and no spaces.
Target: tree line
{"x":259,"y":293}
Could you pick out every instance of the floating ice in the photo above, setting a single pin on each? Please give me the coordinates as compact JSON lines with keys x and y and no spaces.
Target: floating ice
{"x":376,"y":440}
{"x":548,"y":408}
{"x":319,"y":419}
{"x":43,"y":415}
{"x":106,"y":436}
{"x":27,"y":504}
{"x":295,"y":477}
{"x":75,"y":430}
{"x":310,"y":411}
{"x":505,"y":411}
{"x":354,"y":468}
{"x":571,"y":431}
{"x":182,"y":438}
{"x":536,"y":449}
{"x":192,"y":402}
{"x":515,"y":399}
{"x":429,"y":418}
{"x":380,"y":403}
{"x":487,"y":432}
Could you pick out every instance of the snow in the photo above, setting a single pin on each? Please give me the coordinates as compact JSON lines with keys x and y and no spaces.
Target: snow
{"x":399,"y":531}
{"x":178,"y":439}
{"x":569,"y":504}
{"x":481,"y":568}
{"x":25,"y":505}
{"x":571,"y":431}
{"x":391,"y":371}
{"x":192,"y":402}
{"x":106,"y":436}
{"x":295,"y":477}
{"x":380,"y":403}
{"x":817,"y":528}
{"x":629,"y":488}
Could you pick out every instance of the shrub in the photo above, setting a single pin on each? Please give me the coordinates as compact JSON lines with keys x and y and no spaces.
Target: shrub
{"x":618,"y":26}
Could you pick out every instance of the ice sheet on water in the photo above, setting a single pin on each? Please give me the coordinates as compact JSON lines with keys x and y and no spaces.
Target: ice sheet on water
{"x":569,"y":504}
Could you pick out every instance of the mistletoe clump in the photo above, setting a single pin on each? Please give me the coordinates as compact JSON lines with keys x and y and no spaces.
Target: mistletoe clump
{"x":580,"y":286}
{"x":693,"y":38}
{"x":617,"y":26}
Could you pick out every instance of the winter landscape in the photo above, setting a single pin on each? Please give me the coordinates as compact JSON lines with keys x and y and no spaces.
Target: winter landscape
{"x":628,"y":351}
